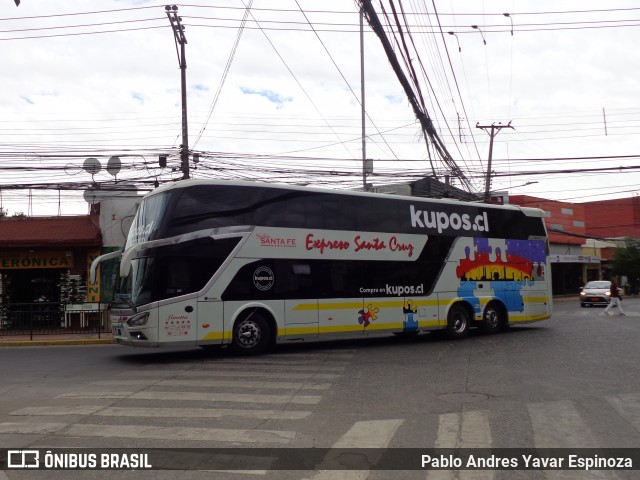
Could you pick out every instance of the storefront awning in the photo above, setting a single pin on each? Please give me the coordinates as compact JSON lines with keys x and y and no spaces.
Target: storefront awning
{"x":41,"y":232}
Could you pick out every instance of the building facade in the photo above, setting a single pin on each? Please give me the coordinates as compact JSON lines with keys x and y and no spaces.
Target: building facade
{"x":619,"y":218}
{"x":572,"y":264}
{"x":47,"y":259}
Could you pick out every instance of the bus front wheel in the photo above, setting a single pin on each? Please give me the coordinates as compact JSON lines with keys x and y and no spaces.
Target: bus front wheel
{"x":251,"y":335}
{"x":458,"y":322}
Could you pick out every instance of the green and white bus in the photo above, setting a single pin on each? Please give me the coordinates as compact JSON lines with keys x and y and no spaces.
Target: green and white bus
{"x":252,"y":264}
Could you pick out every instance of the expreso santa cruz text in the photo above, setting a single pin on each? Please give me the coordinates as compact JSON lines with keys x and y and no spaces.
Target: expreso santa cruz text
{"x":358,"y":243}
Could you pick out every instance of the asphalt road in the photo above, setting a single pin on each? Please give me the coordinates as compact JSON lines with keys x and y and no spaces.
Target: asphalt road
{"x":570,"y":382}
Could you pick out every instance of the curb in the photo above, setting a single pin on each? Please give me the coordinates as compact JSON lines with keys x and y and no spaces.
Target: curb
{"x":35,"y":343}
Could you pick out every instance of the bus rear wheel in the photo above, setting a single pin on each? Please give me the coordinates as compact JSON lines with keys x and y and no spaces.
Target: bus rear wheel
{"x":251,"y":335}
{"x":493,"y":318}
{"x":458,"y":322}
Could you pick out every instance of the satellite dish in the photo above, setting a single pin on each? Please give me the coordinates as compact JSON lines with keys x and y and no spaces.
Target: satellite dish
{"x":92,"y":166}
{"x":90,"y":196}
{"x":113,"y":165}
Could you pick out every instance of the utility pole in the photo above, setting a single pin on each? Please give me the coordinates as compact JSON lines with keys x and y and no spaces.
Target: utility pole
{"x":181,"y":40}
{"x":362,"y":99}
{"x":492,"y":130}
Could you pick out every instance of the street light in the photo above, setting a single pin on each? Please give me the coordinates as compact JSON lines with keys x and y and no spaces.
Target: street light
{"x":525,"y":184}
{"x":481,"y":34}
{"x":511,"y":19}
{"x":453,"y":33}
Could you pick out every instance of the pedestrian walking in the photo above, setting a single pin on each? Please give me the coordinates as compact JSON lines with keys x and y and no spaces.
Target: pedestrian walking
{"x":614,"y":299}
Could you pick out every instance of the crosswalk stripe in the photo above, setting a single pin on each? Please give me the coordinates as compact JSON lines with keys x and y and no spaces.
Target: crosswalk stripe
{"x":283,"y":362}
{"x":162,"y":412}
{"x":559,"y":425}
{"x":31,"y":428}
{"x":295,"y":357}
{"x":628,"y":406}
{"x":235,"y":374}
{"x":363,"y":434}
{"x":219,"y":383}
{"x":199,"y":396}
{"x":282,"y":367}
{"x":203,"y":413}
{"x":181,"y":433}
{"x":57,"y":410}
{"x":463,"y":430}
{"x":107,"y":395}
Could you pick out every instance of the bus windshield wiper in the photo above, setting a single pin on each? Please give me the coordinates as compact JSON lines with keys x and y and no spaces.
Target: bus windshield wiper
{"x":125,"y":300}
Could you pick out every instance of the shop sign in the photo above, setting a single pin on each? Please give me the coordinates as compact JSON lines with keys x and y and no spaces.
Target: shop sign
{"x":573,"y":259}
{"x":93,"y":291}
{"x":27,"y":260}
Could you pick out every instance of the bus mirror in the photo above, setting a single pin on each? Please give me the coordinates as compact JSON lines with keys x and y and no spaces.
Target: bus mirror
{"x":93,"y":272}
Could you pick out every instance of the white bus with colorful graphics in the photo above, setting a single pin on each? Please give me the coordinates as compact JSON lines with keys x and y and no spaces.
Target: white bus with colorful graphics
{"x":252,"y":264}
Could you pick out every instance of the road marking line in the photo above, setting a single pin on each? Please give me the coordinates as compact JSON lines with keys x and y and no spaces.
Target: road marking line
{"x":31,"y":428}
{"x":463,"y":430}
{"x":559,"y":425}
{"x":234,"y":374}
{"x":203,"y":413}
{"x":181,"y":433}
{"x":628,"y":406}
{"x":101,"y":411}
{"x":363,"y":434}
{"x":199,"y":396}
{"x":96,"y":395}
{"x":59,"y":410}
{"x":219,"y":383}
{"x":282,"y":367}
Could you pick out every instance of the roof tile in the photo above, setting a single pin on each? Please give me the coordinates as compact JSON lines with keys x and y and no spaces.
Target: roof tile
{"x":71,"y":231}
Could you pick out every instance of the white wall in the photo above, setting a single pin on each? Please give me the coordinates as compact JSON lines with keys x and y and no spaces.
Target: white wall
{"x":116,"y":215}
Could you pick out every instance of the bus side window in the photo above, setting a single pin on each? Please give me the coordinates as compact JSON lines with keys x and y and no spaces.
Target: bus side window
{"x":177,"y":280}
{"x":304,"y":280}
{"x":188,"y":266}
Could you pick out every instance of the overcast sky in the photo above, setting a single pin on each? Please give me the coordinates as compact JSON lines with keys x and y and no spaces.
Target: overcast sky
{"x":85,"y":79}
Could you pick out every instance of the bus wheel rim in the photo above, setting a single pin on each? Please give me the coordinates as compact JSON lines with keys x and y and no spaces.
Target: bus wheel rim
{"x":459,"y":323}
{"x":249,"y":334}
{"x":493,"y":318}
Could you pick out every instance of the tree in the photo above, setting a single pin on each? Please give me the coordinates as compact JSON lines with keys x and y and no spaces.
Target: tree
{"x":627,"y":262}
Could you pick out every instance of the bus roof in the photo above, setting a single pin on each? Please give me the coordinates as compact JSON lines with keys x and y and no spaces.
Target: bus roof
{"x":528,"y":211}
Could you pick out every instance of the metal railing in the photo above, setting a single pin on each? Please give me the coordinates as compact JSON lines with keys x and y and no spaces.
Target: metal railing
{"x":53,"y":318}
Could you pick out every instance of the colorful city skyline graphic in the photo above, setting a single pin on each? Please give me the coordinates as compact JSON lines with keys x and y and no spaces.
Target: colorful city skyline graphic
{"x":522,"y":262}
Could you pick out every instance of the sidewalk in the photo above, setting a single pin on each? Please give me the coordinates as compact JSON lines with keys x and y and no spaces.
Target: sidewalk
{"x":56,"y":339}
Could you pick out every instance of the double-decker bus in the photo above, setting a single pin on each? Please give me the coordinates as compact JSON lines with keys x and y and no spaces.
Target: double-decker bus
{"x":251,"y":264}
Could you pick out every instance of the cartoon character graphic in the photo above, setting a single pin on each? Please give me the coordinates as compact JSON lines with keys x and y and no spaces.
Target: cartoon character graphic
{"x":410,"y":325}
{"x":367,"y":315}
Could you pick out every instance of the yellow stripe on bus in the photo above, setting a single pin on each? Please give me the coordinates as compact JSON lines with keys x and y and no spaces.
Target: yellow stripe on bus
{"x":358,"y":305}
{"x":314,"y":329}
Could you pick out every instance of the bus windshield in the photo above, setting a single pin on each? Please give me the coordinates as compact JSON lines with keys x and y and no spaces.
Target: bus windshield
{"x":147,"y":219}
{"x":172,"y":270}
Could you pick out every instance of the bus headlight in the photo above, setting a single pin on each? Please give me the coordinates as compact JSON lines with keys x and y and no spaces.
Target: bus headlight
{"x":138,"y":320}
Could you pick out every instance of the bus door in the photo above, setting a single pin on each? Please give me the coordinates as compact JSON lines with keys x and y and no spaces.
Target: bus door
{"x":301,"y":318}
{"x":301,"y":311}
{"x":210,"y":323}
